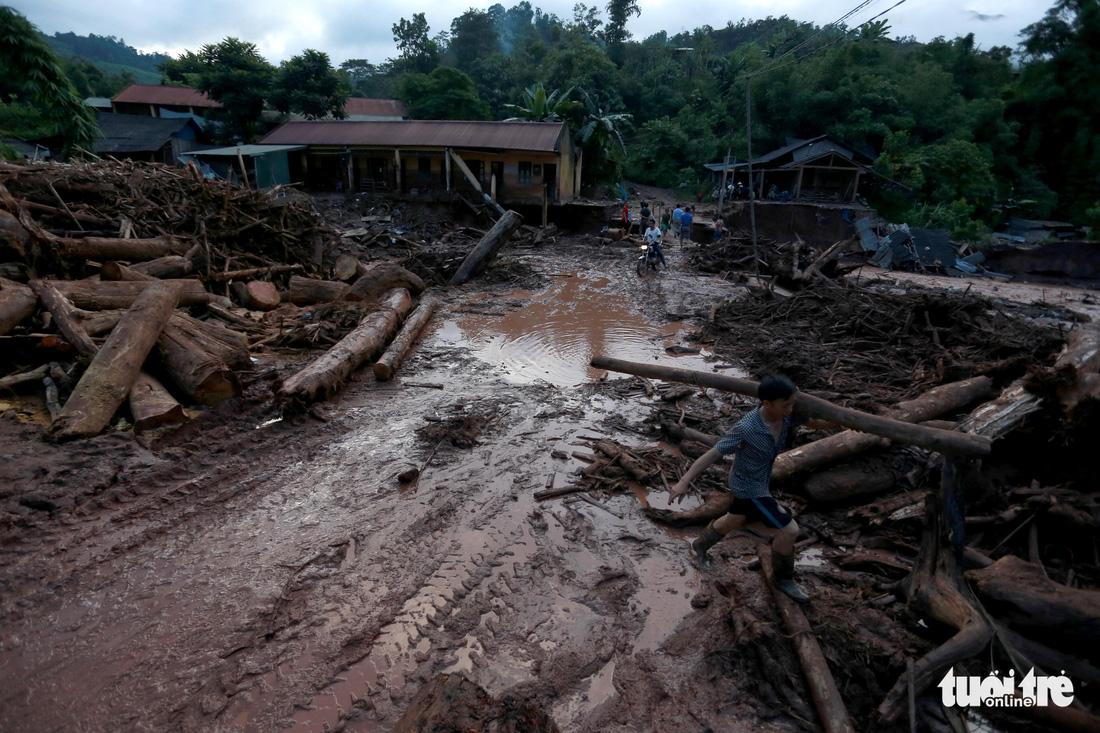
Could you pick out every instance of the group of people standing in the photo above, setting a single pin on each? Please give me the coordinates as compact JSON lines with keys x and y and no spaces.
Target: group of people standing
{"x":679,"y":221}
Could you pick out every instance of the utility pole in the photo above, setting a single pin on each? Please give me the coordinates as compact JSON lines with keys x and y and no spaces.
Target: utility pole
{"x":722,"y":191}
{"x":752,"y":188}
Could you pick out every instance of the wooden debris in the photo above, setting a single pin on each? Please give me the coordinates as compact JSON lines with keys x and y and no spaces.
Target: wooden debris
{"x":257,"y":295}
{"x":107,"y":381}
{"x":325,"y":375}
{"x":487,"y":248}
{"x":151,"y":406}
{"x":389,"y":362}
{"x":17,"y":303}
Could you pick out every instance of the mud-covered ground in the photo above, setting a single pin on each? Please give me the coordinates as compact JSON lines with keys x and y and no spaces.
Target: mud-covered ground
{"x":253,"y":573}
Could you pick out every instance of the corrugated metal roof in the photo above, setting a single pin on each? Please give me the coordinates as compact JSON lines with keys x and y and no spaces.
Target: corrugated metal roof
{"x":155,"y":94}
{"x":137,"y":133}
{"x":535,"y":136}
{"x":248,"y":151}
{"x":375,"y":107}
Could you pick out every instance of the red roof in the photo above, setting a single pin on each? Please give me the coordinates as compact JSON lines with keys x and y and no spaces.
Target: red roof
{"x":536,"y":136}
{"x":165,"y":96}
{"x":375,"y":107}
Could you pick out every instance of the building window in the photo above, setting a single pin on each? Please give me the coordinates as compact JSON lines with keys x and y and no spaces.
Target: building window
{"x":524,"y":172}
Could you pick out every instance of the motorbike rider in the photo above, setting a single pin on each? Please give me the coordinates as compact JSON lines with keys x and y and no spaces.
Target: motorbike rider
{"x":653,"y":239}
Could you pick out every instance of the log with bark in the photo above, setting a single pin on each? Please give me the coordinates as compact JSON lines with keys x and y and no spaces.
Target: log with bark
{"x":96,"y":323}
{"x":347,"y":267}
{"x":257,"y":295}
{"x":823,"y":689}
{"x":309,"y":291}
{"x":107,"y":380}
{"x":108,"y":295}
{"x":251,"y":272}
{"x":118,"y":271}
{"x":15,"y":240}
{"x":865,"y":475}
{"x":325,"y":375}
{"x":17,"y":302}
{"x":64,"y":315}
{"x":151,"y":405}
{"x":388,"y":363}
{"x":223,"y":343}
{"x":379,"y":280}
{"x":941,"y":441}
{"x":106,"y":248}
{"x":165,"y":268}
{"x":200,"y":375}
{"x":487,"y":248}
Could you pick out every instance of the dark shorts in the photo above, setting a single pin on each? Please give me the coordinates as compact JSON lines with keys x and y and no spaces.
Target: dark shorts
{"x":765,"y":510}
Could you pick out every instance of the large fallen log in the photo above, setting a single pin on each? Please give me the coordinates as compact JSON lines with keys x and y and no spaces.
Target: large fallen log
{"x":14,"y":237}
{"x":257,"y":295}
{"x":201,"y":376}
{"x":308,"y":290}
{"x":1003,"y":414}
{"x":106,"y":248}
{"x":865,"y":475}
{"x":95,"y":323}
{"x":823,"y":689}
{"x":118,"y":271}
{"x":388,"y":363}
{"x":163,"y":268}
{"x":940,"y":441}
{"x":1022,"y":596}
{"x":325,"y":375}
{"x":109,"y":295}
{"x":107,"y":380}
{"x":151,"y":406}
{"x":223,"y":343}
{"x":487,"y":247}
{"x":17,"y":302}
{"x":379,"y":280}
{"x":64,"y":315}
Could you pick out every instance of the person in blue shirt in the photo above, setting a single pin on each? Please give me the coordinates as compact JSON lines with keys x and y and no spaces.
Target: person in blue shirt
{"x":677,"y":215}
{"x":686,"y":220}
{"x":755,"y":440}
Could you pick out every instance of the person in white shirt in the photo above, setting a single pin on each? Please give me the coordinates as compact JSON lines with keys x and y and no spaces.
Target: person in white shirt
{"x":653,"y":239}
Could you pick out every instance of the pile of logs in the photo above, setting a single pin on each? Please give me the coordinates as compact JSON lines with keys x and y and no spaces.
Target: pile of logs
{"x":1034,"y":598}
{"x":133,"y":314}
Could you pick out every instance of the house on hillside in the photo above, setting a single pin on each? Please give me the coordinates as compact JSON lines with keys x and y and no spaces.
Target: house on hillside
{"x":517,"y":162}
{"x":816,"y":170}
{"x":146,"y":138}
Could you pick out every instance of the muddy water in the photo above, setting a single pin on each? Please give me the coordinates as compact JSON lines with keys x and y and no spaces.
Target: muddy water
{"x":555,"y":334}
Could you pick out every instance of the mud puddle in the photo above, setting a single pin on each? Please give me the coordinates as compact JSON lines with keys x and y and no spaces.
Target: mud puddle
{"x":552,"y":335}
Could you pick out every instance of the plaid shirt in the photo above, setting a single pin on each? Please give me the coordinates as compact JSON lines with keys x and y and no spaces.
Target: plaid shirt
{"x":756,"y":450}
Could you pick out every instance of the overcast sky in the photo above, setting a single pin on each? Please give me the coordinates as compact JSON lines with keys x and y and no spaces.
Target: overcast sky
{"x":355,"y":29}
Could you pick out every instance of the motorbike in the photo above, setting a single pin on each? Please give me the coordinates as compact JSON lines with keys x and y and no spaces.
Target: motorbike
{"x":648,"y":260}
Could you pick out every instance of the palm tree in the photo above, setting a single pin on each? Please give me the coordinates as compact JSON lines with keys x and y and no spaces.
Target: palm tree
{"x":598,"y":133}
{"x":30,"y":71}
{"x":538,"y":106}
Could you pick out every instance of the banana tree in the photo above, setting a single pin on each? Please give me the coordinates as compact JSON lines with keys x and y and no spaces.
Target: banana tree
{"x":538,"y":106}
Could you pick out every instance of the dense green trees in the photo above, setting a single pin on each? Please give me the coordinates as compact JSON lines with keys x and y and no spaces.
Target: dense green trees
{"x":964,"y":135}
{"x":36,"y":98}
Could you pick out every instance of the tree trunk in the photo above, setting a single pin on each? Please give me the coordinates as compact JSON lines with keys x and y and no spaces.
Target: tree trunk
{"x":95,"y":323}
{"x":487,"y":248}
{"x":308,"y":290}
{"x":257,"y":295}
{"x":105,"y":248}
{"x":64,"y":315}
{"x":1021,"y":595}
{"x":112,"y":372}
{"x":115,"y":271}
{"x":347,"y":267}
{"x":13,"y":236}
{"x":325,"y":375}
{"x":220,"y":342}
{"x":163,"y":268}
{"x":823,"y":689}
{"x":866,"y":475}
{"x":17,"y":302}
{"x":388,"y":363}
{"x":936,"y":590}
{"x":379,"y":280}
{"x":940,"y":441}
{"x":151,"y":406}
{"x":201,"y":376}
{"x":108,"y":295}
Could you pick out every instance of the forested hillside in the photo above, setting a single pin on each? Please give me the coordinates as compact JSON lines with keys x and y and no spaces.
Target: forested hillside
{"x":120,"y":64}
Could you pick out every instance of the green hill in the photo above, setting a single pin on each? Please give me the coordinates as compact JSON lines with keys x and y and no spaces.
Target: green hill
{"x":110,"y":55}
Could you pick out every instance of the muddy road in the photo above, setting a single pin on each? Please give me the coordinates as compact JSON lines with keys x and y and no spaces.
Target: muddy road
{"x":254,"y":574}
